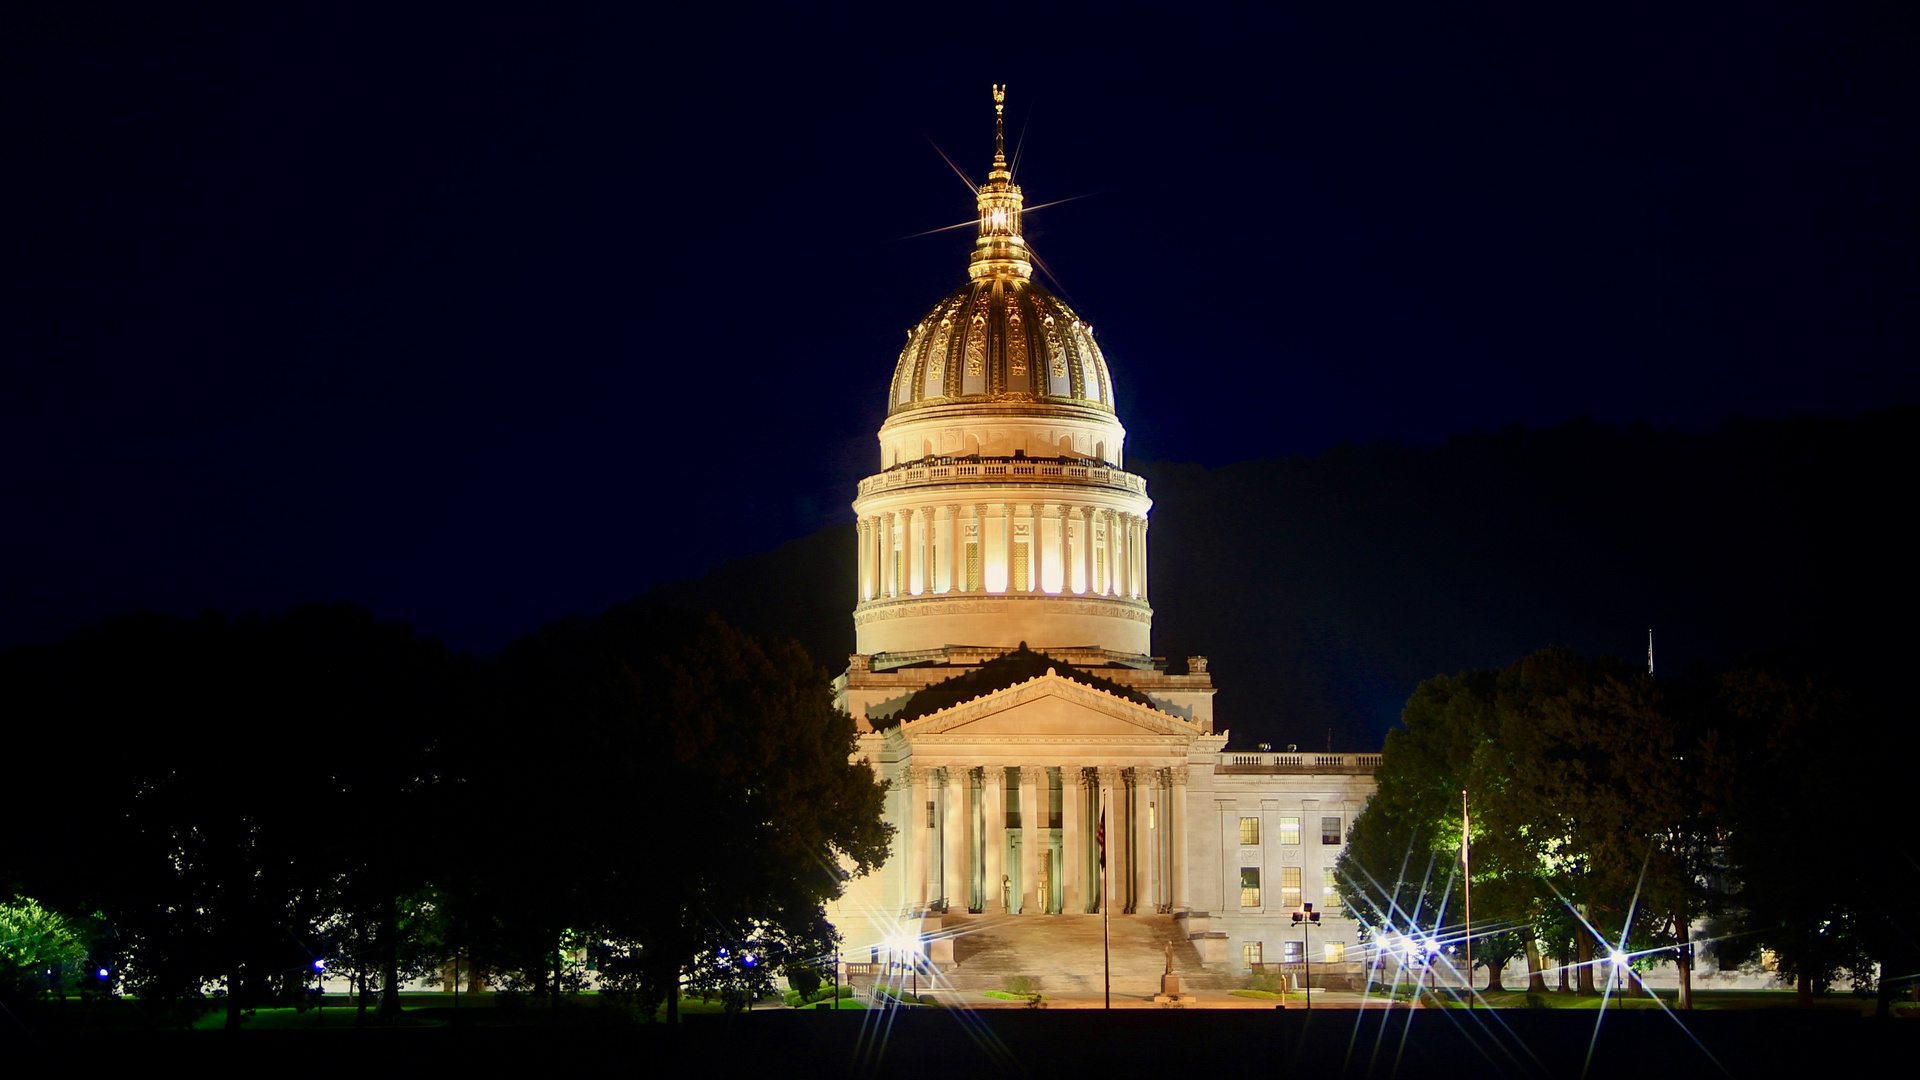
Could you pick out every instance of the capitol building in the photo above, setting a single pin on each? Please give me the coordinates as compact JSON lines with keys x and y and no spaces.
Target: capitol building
{"x":1005,"y":686}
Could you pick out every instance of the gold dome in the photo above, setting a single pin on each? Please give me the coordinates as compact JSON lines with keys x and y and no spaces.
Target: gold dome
{"x":1000,"y":337}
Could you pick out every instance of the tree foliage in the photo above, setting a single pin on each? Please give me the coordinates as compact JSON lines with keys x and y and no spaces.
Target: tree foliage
{"x":690,"y":793}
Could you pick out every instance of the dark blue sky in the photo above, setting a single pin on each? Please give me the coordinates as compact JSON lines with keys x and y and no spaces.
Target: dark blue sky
{"x":486,"y":322}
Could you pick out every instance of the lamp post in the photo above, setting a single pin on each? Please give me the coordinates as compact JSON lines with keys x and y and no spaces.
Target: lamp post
{"x":1304,"y":918}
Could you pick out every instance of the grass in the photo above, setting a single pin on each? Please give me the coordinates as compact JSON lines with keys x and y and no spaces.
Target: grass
{"x":1702,"y":1000}
{"x":1259,"y":995}
{"x":1009,"y":995}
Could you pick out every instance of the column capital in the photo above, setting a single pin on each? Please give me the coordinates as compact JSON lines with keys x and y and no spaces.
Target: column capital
{"x":1178,"y":774}
{"x":1038,"y":772}
{"x":1080,"y":777}
{"x":957,"y":774}
{"x":953,"y":509}
{"x":920,"y":774}
{"x":994,"y":774}
{"x":1109,"y":775}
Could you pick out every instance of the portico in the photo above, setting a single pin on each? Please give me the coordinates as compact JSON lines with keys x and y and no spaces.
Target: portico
{"x":1010,"y":789}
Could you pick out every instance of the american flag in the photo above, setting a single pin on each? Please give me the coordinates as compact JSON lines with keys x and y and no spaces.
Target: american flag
{"x":1100,"y":838}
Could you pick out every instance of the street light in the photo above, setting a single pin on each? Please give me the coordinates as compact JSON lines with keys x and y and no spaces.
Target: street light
{"x":1304,"y":918}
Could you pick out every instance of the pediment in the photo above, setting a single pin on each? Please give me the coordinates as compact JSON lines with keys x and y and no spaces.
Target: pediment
{"x":1051,"y":707}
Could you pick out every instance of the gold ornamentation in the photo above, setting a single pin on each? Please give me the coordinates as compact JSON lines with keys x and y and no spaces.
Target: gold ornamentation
{"x":1016,"y":337}
{"x":977,"y":338}
{"x":1089,"y":379}
{"x":938,"y":354}
{"x":1055,"y":349}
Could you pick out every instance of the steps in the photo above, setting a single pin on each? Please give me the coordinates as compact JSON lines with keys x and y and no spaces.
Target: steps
{"x":1061,"y":954}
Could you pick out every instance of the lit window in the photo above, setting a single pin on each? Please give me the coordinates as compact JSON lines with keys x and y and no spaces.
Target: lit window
{"x":1249,"y":886}
{"x":1330,"y":830}
{"x":1292,"y":951}
{"x":1336,"y":952}
{"x":1289,"y":830}
{"x":1289,"y":887}
{"x":1020,"y":566}
{"x":1250,"y":954}
{"x":1249,"y":831}
{"x":1329,"y":886}
{"x":973,"y":567}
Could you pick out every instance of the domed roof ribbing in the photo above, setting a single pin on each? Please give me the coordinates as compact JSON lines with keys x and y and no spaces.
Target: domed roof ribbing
{"x":1000,"y":337}
{"x":996,"y":338}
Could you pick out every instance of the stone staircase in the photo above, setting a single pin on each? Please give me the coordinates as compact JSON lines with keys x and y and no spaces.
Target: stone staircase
{"x":1060,"y":954}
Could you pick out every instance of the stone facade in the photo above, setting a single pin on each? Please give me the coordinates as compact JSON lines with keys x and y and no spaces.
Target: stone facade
{"x":1004,"y":685}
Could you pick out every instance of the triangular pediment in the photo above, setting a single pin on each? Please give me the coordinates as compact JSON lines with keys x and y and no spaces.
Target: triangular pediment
{"x":1049,"y":706}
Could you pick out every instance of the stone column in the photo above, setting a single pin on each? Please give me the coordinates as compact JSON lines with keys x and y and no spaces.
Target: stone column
{"x":886,"y":554}
{"x":1109,"y":813}
{"x":930,"y":543}
{"x":1106,"y":527}
{"x":1066,"y":551}
{"x":1117,"y":540}
{"x":955,"y":834}
{"x":860,"y":573}
{"x":919,"y":870}
{"x":1086,"y":543}
{"x":907,"y":559}
{"x":1032,"y":838}
{"x":956,"y":550}
{"x":1176,"y":821}
{"x":1073,"y":793}
{"x":1006,"y":528}
{"x":1142,"y":840}
{"x":1143,"y":558}
{"x":993,"y":790}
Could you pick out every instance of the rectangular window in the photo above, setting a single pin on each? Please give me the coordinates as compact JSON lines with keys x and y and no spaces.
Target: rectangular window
{"x":1054,"y":796}
{"x":1019,"y":566}
{"x":1289,"y":830}
{"x":1290,"y":887}
{"x":1249,"y":886}
{"x":973,"y":567}
{"x":929,"y":813}
{"x":1250,"y":955}
{"x":1329,"y":830}
{"x":1336,"y":952}
{"x":1249,"y":832}
{"x":899,"y":573}
{"x":1100,"y":568}
{"x":1329,"y":886}
{"x":1292,"y":951}
{"x":1010,"y":794}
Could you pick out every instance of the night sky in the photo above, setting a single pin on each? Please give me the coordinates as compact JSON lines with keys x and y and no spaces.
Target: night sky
{"x":486,"y":322}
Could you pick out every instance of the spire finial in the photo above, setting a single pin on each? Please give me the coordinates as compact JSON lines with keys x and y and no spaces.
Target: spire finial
{"x":1000,"y":250}
{"x":999,"y":123}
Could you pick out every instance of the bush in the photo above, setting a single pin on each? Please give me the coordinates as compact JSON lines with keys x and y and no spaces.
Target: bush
{"x":1538,"y":1001}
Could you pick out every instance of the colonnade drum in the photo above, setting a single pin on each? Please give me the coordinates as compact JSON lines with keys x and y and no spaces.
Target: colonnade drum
{"x":1026,"y":840}
{"x":1051,"y":548}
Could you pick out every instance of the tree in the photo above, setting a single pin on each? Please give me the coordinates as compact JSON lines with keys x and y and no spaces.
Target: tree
{"x":37,"y":945}
{"x":1595,"y":802}
{"x":682,"y":790}
{"x":248,"y":798}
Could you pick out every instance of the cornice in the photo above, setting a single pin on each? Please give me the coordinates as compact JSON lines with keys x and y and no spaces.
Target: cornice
{"x":877,"y":611}
{"x":1152,"y":721}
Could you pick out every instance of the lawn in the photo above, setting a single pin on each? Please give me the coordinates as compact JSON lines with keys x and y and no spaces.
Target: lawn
{"x":1702,"y":1000}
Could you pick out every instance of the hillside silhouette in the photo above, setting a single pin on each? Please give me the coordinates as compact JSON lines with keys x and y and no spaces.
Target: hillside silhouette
{"x":1326,"y":587}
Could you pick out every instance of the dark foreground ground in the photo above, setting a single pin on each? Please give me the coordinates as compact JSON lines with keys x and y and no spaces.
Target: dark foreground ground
{"x":951,"y":1044}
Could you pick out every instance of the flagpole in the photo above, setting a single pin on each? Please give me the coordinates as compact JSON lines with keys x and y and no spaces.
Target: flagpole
{"x":1466,"y":865}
